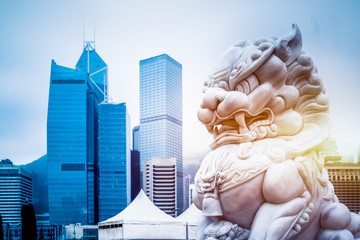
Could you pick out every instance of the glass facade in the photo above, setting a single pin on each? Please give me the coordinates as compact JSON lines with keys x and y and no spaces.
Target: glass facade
{"x":136,"y":138}
{"x":114,"y":159}
{"x":66,"y":145}
{"x":161,"y":114}
{"x":74,"y":96}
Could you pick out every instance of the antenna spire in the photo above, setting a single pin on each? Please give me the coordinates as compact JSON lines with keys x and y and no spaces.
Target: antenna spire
{"x":88,"y":45}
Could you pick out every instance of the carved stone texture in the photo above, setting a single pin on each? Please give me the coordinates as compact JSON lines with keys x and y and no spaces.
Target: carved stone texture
{"x":266,"y":107}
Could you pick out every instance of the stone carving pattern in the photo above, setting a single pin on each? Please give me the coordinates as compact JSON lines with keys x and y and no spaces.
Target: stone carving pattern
{"x":266,"y":107}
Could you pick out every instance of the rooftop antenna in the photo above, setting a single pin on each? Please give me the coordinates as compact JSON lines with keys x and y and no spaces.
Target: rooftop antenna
{"x":90,"y":46}
{"x":83,"y":31}
{"x":94,"y":33}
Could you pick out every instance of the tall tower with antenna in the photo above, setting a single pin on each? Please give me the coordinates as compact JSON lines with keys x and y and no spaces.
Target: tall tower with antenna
{"x":72,"y":138}
{"x":88,"y":143}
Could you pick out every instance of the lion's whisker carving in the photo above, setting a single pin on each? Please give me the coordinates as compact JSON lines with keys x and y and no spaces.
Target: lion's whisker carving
{"x":266,"y":107}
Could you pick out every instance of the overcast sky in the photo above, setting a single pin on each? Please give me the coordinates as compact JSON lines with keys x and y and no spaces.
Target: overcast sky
{"x":195,"y":33}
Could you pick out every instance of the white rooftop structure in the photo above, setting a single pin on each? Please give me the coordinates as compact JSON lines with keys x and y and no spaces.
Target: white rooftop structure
{"x":142,"y":220}
{"x":140,"y":210}
{"x":190,"y":217}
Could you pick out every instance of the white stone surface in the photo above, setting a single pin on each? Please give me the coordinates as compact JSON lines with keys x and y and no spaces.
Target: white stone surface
{"x":265,"y":105}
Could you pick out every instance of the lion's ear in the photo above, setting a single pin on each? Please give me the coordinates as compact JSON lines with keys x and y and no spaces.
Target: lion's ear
{"x":288,"y":47}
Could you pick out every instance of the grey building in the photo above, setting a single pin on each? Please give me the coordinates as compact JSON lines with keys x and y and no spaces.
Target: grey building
{"x":15,"y":191}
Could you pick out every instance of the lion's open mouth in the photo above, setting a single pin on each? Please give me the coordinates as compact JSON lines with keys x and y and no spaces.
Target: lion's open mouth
{"x":240,"y":123}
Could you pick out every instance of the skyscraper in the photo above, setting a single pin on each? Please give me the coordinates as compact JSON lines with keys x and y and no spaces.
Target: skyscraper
{"x":136,"y":138}
{"x":114,"y":159}
{"x":161,"y":114}
{"x":72,"y":138}
{"x":135,"y":163}
{"x":15,"y":190}
{"x":187,"y":183}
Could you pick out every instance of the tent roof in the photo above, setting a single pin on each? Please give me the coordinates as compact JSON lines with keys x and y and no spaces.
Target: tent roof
{"x":140,"y":210}
{"x":191,"y":215}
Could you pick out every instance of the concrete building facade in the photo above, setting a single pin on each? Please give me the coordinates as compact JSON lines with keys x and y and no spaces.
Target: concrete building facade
{"x":159,"y":183}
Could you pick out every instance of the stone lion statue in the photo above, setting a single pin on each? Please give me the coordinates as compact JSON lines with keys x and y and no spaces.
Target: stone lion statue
{"x":265,"y":105}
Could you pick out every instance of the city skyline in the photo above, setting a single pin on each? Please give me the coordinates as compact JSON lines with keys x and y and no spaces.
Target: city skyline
{"x":195,"y":34}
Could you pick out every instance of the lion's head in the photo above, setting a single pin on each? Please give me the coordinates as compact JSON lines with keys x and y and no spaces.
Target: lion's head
{"x":266,"y":88}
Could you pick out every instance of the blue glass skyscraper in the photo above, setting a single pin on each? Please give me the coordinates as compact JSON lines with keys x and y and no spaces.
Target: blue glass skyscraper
{"x":114,"y":137}
{"x":72,"y":138}
{"x":161,"y":114}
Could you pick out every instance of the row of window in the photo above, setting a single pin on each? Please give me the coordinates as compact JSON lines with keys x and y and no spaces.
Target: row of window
{"x":72,"y":167}
{"x":68,"y":81}
{"x":344,"y":178}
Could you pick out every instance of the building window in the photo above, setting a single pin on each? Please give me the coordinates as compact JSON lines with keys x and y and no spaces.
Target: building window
{"x":72,"y":167}
{"x":68,"y":81}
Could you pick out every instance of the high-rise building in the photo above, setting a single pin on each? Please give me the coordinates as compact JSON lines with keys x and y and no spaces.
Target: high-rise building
{"x":114,"y":159}
{"x":136,"y":177}
{"x":159,"y":183}
{"x":136,"y":138}
{"x":15,"y":191}
{"x":191,"y":191}
{"x":161,"y":114}
{"x":135,"y":174}
{"x":345,"y":178}
{"x":72,"y":138}
{"x":187,"y":182}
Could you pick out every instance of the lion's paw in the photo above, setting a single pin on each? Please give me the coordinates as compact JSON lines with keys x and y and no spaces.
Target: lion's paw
{"x":224,"y":230}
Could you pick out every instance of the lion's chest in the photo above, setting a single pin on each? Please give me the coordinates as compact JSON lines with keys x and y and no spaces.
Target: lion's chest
{"x":240,"y":204}
{"x":229,"y":172}
{"x":236,"y":184}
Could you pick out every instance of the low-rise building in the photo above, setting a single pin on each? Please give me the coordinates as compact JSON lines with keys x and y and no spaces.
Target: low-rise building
{"x":346,"y":180}
{"x":15,"y":191}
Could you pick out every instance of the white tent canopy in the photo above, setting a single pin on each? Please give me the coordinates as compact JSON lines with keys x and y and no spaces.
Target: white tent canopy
{"x":140,"y":210}
{"x":190,"y":217}
{"x":142,"y":220}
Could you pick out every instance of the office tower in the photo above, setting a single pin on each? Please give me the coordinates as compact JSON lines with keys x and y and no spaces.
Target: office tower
{"x":135,"y":163}
{"x":136,"y":138}
{"x":114,"y":159}
{"x":187,"y":182}
{"x":161,"y":114}
{"x":135,"y":174}
{"x":346,"y":180}
{"x":191,"y":190}
{"x":15,"y":191}
{"x":159,"y":183}
{"x":72,"y":138}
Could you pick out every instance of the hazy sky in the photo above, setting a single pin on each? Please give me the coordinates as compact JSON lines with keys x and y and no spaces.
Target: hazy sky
{"x":194,"y":33}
